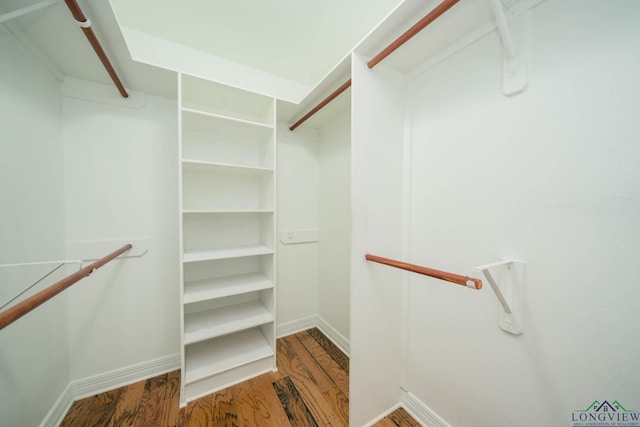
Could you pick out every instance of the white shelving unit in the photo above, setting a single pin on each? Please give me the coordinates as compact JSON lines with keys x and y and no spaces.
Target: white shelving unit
{"x":227,"y":202}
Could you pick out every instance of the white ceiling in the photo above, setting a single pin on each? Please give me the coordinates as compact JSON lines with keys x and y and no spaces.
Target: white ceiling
{"x":300,"y":40}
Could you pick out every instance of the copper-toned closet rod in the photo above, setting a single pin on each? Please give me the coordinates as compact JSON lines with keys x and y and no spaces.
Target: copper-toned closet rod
{"x":346,"y":85}
{"x":470,"y":282}
{"x":85,"y":24}
{"x":17,"y":311}
{"x":419,"y":26}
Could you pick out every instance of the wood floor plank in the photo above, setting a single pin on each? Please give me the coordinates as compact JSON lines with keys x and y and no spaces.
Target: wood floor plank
{"x":127,"y":406}
{"x":268,"y":401}
{"x":93,"y":411}
{"x":310,"y":363}
{"x":294,"y":407}
{"x":307,"y":384}
{"x":310,"y":388}
{"x":246,"y":407}
{"x":199,"y":413}
{"x":385,"y":422}
{"x":149,"y":414}
{"x":339,"y":376}
{"x":402,"y":418}
{"x":170,"y":416}
{"x":398,"y":418}
{"x":341,"y":359}
{"x":339,"y":402}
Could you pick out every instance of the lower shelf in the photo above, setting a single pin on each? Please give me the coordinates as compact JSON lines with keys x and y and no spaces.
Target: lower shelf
{"x":215,"y":357}
{"x":226,"y":379}
{"x":225,"y":320}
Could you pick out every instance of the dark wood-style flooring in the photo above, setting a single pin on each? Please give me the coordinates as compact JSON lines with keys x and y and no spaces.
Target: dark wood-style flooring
{"x":310,"y":388}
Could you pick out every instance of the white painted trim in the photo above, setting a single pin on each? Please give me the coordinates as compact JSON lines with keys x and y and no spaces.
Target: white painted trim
{"x":295,"y":326}
{"x":125,"y":376}
{"x":165,"y":54}
{"x":421,"y":412}
{"x":59,"y":409}
{"x":314,"y":321}
{"x":332,"y":333}
{"x":381,"y":416}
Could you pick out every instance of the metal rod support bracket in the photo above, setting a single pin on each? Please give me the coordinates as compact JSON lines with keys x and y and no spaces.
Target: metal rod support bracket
{"x":507,"y":283}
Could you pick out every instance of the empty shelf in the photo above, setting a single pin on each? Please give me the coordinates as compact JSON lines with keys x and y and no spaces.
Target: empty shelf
{"x":213,"y":254}
{"x":219,"y":355}
{"x":216,"y":322}
{"x":224,"y":211}
{"x":204,"y":166}
{"x":202,"y":290}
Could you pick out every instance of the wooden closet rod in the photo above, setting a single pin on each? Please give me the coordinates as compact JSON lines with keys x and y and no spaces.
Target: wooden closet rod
{"x":85,"y":24}
{"x":324,"y":102}
{"x":470,"y":282}
{"x":419,"y":26}
{"x":12,"y":314}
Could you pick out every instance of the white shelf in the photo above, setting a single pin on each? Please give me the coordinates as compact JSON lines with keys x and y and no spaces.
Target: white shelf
{"x":221,"y":354}
{"x":227,"y":234}
{"x":207,"y":96}
{"x":190,"y":165}
{"x":213,"y":254}
{"x":207,"y":324}
{"x":210,"y":115}
{"x":202,"y":290}
{"x":225,"y":211}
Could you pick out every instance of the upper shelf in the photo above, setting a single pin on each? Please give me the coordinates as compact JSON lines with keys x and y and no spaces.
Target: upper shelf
{"x":191,"y":165}
{"x":225,"y":101}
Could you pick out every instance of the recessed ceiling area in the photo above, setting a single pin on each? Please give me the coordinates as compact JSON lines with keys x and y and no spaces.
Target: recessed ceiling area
{"x":300,"y":40}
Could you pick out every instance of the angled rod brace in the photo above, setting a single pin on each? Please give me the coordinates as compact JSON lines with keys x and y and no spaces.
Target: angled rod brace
{"x":509,"y":294}
{"x":496,"y":290}
{"x":503,"y":27}
{"x":15,"y":312}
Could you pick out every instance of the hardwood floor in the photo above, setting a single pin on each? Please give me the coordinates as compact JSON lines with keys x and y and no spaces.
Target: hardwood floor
{"x":311,"y":388}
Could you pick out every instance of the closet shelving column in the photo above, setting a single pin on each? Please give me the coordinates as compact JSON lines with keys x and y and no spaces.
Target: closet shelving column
{"x":227,"y":161}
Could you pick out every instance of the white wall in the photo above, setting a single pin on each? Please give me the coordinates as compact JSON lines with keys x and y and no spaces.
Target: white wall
{"x":377,"y":182}
{"x":297,"y":209}
{"x":549,"y":176}
{"x":334,"y":223}
{"x":34,"y":358}
{"x":121,"y":181}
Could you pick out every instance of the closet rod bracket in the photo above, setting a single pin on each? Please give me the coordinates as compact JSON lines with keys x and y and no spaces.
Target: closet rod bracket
{"x":506,"y":279}
{"x":513,"y":27}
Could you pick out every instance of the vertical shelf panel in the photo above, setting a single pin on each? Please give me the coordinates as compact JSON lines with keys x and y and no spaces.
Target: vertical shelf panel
{"x":227,"y":160}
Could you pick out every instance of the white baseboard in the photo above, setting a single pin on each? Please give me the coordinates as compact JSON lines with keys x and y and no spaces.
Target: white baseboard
{"x":59,"y":410}
{"x":381,"y":416}
{"x":125,"y":376}
{"x":314,"y":321}
{"x":289,"y":328}
{"x":86,"y":387}
{"x":421,"y":412}
{"x":335,"y":336}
